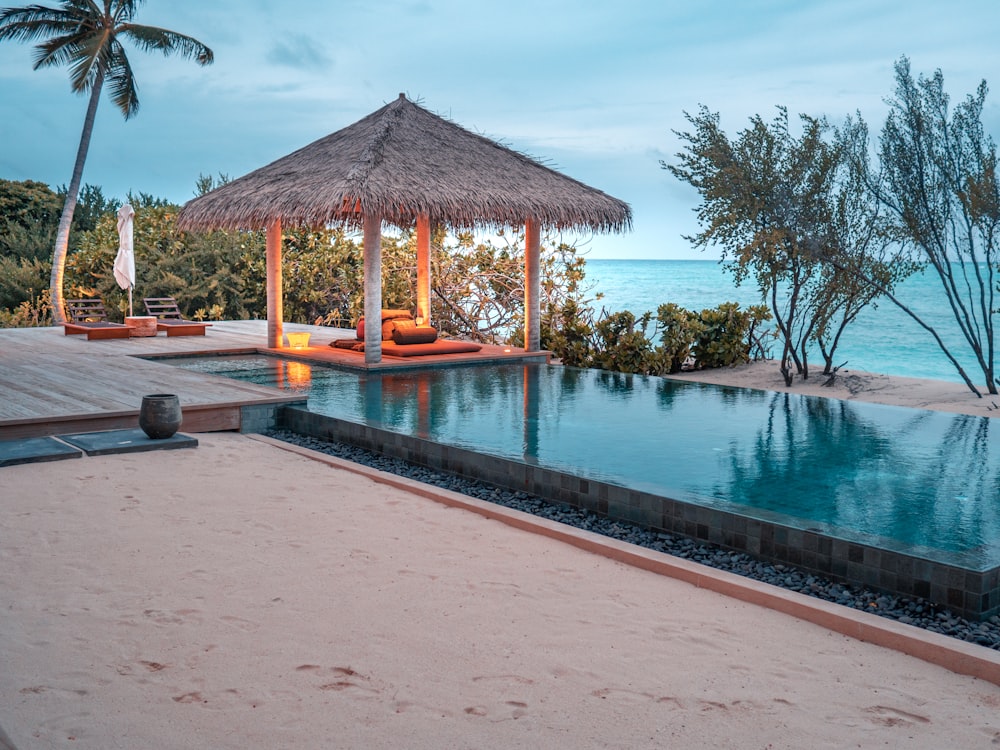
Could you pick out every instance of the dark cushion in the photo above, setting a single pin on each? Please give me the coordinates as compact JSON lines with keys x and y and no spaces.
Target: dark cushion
{"x":408,"y":332}
{"x":353,"y":344}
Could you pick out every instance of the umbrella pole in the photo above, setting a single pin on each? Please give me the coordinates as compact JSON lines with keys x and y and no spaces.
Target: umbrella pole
{"x":130,"y":300}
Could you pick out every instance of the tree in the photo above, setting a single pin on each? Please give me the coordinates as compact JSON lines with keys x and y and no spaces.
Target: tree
{"x":939,"y":183}
{"x":776,"y":204}
{"x":29,"y":217}
{"x":88,"y":37}
{"x":29,"y":212}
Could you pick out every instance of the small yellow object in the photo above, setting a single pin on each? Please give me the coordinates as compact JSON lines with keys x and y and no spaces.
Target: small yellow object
{"x":297,"y":340}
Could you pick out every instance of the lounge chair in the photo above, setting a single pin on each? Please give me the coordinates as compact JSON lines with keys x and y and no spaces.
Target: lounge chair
{"x":88,"y":316}
{"x":168,"y":317}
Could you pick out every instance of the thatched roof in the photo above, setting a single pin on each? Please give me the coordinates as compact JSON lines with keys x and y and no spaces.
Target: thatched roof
{"x":397,"y":163}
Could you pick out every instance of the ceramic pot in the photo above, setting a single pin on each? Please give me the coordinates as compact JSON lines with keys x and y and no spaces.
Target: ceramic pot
{"x":160,"y":415}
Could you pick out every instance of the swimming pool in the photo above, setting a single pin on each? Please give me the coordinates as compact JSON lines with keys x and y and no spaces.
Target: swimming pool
{"x":925,"y":483}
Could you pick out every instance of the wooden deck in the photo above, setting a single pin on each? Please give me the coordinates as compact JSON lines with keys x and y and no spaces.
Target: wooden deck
{"x":53,"y":384}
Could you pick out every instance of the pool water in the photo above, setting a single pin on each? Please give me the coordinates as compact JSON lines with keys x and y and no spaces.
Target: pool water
{"x":926,"y":481}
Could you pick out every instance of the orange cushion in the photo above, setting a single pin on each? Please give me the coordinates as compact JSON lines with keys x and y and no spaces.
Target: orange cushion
{"x":393,"y":314}
{"x":388,"y":316}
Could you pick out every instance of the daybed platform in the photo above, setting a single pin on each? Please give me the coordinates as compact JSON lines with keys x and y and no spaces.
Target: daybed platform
{"x":402,"y":337}
{"x":392,"y":349}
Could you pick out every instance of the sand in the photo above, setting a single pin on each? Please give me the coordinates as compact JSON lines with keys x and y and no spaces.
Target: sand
{"x":238,"y":595}
{"x":852,"y":385}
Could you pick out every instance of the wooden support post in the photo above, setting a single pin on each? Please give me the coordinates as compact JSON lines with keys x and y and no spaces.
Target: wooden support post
{"x":373,"y":288}
{"x":423,"y":313}
{"x":532,"y":286}
{"x":275,"y":307}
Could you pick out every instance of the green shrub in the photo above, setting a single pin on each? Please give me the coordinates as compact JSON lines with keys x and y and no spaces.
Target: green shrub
{"x":680,"y":329}
{"x":718,"y":337}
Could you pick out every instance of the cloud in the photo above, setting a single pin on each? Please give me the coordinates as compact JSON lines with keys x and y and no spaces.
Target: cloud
{"x":300,"y":52}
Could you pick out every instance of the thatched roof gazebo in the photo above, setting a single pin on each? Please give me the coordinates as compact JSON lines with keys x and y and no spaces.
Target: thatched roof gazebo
{"x":403,"y":165}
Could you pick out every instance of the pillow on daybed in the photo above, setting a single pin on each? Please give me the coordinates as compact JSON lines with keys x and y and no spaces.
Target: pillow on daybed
{"x":387,"y":317}
{"x":408,"y":332}
{"x":395,"y":314}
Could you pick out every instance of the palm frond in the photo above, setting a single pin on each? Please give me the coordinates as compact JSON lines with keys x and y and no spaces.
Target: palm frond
{"x":151,"y":38}
{"x":85,"y":61}
{"x":35,"y":22}
{"x":121,"y":81}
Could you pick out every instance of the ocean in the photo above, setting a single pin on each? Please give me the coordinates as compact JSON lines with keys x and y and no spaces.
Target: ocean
{"x":882,"y":340}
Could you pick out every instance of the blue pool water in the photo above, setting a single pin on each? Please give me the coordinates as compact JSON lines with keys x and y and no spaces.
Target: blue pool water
{"x":925,"y":481}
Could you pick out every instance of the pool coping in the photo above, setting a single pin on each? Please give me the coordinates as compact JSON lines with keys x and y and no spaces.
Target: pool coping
{"x":947,"y":652}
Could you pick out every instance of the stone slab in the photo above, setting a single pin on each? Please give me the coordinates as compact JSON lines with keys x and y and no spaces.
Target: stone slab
{"x":126,"y":441}
{"x":35,"y":450}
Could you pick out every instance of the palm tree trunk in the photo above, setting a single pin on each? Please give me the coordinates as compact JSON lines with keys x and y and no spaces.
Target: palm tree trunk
{"x":66,"y":220}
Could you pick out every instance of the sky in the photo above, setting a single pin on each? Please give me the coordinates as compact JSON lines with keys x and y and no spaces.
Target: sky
{"x":594,"y":89}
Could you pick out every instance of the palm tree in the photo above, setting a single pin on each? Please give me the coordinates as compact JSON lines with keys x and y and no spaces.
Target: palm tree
{"x":88,"y":38}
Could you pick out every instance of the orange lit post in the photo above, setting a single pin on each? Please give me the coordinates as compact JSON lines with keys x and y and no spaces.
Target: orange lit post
{"x":423,"y":270}
{"x":532,"y":286}
{"x":275,"y":309}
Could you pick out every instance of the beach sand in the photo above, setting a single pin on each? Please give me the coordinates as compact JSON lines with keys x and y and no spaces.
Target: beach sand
{"x":239,"y":595}
{"x":851,"y":385}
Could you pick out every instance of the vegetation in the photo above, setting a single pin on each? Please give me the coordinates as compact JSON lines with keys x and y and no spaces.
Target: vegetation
{"x":775,"y":203}
{"x":213,"y":276}
{"x":619,"y":341}
{"x":938,"y":184}
{"x":29,"y":216}
{"x":824,"y":232}
{"x":88,"y":37}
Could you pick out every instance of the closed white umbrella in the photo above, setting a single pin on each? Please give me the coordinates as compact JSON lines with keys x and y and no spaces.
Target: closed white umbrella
{"x":125,"y":260}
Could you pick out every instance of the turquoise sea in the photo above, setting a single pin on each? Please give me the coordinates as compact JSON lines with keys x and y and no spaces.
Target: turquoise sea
{"x":883,"y":339}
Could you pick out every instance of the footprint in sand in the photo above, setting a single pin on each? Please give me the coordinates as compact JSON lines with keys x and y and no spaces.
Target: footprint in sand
{"x":346,"y":679}
{"x":636,"y":696}
{"x":175,"y":617}
{"x":238,"y":622}
{"x":892,"y":717}
{"x":189,"y":698}
{"x":506,"y":710}
{"x":505,"y":678}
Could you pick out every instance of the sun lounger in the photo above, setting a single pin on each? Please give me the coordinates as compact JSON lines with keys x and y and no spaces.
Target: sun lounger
{"x":88,"y":317}
{"x":168,"y":318}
